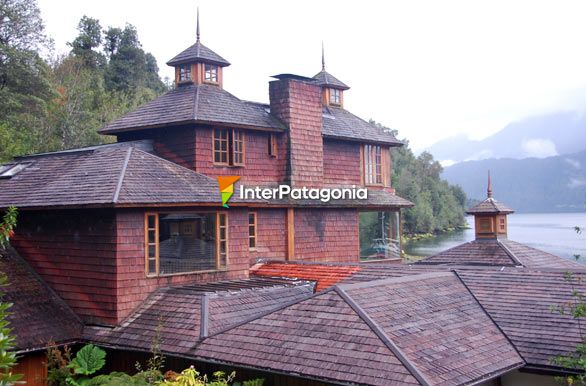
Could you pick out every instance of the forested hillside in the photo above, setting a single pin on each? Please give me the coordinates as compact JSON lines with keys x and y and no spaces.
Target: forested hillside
{"x":50,"y":102}
{"x":552,"y":184}
{"x":439,"y":206}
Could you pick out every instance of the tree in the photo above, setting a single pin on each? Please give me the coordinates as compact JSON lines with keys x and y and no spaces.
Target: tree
{"x":7,"y":339}
{"x":87,"y":44}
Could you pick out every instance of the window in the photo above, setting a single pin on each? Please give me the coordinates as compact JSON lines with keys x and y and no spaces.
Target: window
{"x":211,"y":73}
{"x":272,"y":145}
{"x":335,"y":97}
{"x":229,"y":147}
{"x":502,"y":225}
{"x":252,"y":230}
{"x":185,"y":242}
{"x":184,"y":72}
{"x":8,"y":171}
{"x":372,"y":165}
{"x":485,"y":225}
{"x":379,"y":235}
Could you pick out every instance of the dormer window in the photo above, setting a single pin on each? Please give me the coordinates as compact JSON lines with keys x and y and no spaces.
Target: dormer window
{"x":211,"y":73}
{"x":184,"y":73}
{"x":335,"y":97}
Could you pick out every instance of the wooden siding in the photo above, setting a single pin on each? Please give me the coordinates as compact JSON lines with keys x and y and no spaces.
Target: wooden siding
{"x":75,"y":253}
{"x":33,"y":367}
{"x":326,"y":235}
{"x":259,"y":166}
{"x":271,"y":235}
{"x":341,"y":163}
{"x":133,"y":286}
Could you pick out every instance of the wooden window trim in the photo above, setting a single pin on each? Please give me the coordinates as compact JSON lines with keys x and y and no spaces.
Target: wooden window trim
{"x":217,"y":73}
{"x":219,"y":240}
{"x":372,"y":160}
{"x":335,"y":101}
{"x":255,"y":227}
{"x":272,"y":145}
{"x":157,"y":250}
{"x":188,"y":72}
{"x":147,"y":244}
{"x":234,"y":136}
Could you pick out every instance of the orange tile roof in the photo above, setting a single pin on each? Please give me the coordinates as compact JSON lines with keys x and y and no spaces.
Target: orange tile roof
{"x":324,"y":275}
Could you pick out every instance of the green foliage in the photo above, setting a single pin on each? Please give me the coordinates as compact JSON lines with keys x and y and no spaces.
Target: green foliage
{"x":7,"y":342}
{"x":60,"y":104}
{"x":7,"y":225}
{"x":122,"y":379}
{"x":88,"y":360}
{"x":190,"y":377}
{"x":439,"y":206}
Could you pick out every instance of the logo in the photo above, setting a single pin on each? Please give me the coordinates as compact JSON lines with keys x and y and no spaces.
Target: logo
{"x":226,"y":184}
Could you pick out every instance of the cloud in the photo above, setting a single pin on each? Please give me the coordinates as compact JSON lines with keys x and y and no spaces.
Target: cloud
{"x":483,"y":154}
{"x":574,"y":163}
{"x":539,"y":148}
{"x":446,"y":163}
{"x":576,"y":182}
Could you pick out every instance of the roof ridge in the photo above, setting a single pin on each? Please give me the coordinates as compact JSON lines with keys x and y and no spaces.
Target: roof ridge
{"x":382,"y":336}
{"x":263,"y":314}
{"x":122,"y":174}
{"x":487,"y":314}
{"x":509,"y":252}
{"x":389,"y":280}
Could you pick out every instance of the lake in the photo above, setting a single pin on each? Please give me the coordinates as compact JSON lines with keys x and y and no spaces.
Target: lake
{"x":550,"y":232}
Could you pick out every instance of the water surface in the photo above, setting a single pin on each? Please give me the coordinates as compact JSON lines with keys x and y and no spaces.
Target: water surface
{"x":550,"y":232}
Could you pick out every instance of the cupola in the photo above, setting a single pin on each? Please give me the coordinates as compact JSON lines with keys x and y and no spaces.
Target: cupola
{"x":198,"y":64}
{"x":490,"y":216}
{"x":332,"y":88}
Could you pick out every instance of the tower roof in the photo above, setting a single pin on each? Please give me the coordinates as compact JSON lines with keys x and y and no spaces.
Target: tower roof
{"x":198,"y":53}
{"x":490,"y":205}
{"x":325,"y":79}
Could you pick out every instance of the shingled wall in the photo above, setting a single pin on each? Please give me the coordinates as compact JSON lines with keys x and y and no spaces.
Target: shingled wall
{"x":298,"y":104}
{"x":326,"y":235}
{"x":259,"y":167}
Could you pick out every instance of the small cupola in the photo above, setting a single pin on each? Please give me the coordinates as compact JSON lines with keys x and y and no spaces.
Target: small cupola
{"x":332,"y":88}
{"x":490,"y":217}
{"x":198,"y":64}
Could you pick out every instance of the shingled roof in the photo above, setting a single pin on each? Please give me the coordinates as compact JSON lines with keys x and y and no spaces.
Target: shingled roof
{"x":498,"y":252}
{"x":417,"y":330}
{"x":325,"y":79}
{"x":342,"y":124}
{"x":195,"y":104}
{"x":103,"y":175}
{"x":521,"y":301}
{"x":37,"y":314}
{"x":183,"y":315}
{"x":490,"y":206}
{"x":198,"y":53}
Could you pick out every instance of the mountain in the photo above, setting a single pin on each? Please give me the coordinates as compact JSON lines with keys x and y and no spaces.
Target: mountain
{"x":539,"y":136}
{"x":551,"y":184}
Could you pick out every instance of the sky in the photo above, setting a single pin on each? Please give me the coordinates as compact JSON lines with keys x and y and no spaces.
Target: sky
{"x":430,"y":69}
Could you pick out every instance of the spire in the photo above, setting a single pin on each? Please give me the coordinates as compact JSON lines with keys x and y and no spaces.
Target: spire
{"x":323,"y":57}
{"x":489,"y":188}
{"x":197,"y":30}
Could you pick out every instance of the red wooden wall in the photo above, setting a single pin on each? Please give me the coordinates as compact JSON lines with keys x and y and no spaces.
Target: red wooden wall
{"x":326,"y":235}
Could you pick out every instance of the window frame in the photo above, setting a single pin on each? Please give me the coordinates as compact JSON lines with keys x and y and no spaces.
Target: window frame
{"x":213,"y":71}
{"x":235,"y":153}
{"x":218,"y":241}
{"x":184,"y":73}
{"x":372,"y":165}
{"x":252,"y":238}
{"x":335,"y":97}
{"x":272,"y":145}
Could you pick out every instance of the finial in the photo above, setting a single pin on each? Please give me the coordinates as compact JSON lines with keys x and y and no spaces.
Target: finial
{"x":323,"y":58}
{"x":489,"y":188}
{"x":197,"y":31}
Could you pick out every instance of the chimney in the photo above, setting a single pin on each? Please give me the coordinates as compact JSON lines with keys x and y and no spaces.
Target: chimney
{"x":297,"y":102}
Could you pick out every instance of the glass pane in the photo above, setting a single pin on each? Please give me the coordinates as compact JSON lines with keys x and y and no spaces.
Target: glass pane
{"x":152,"y":266}
{"x":252,"y":242}
{"x":251,"y":230}
{"x":379,"y":235}
{"x":151,"y":221}
{"x":151,"y":237}
{"x":187,"y":242}
{"x":152,"y":251}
